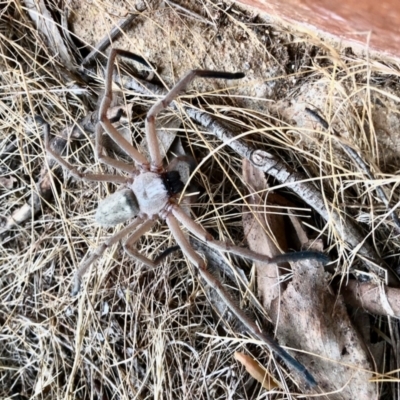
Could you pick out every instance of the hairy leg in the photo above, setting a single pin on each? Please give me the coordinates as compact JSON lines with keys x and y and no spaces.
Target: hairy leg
{"x":105,"y":104}
{"x":71,"y":169}
{"x":213,"y":282}
{"x":109,"y":160}
{"x":230,"y":247}
{"x":128,"y":246}
{"x":134,"y":226}
{"x":155,"y":155}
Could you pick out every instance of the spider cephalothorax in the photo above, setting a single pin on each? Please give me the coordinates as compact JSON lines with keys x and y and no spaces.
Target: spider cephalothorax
{"x":148,"y":194}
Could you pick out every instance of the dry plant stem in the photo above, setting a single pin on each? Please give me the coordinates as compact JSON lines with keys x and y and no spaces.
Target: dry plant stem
{"x":108,"y":39}
{"x":230,"y":302}
{"x":188,"y":12}
{"x":357,"y":159}
{"x":268,"y":163}
{"x":44,"y":186}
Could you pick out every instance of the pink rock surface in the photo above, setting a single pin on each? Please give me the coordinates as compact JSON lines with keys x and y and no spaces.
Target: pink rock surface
{"x":351,"y":20}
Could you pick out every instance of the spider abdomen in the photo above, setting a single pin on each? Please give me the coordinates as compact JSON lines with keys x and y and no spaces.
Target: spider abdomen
{"x":151,"y":193}
{"x":117,"y":208}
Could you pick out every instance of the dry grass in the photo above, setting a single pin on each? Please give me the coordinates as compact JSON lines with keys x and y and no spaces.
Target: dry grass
{"x":152,"y":334}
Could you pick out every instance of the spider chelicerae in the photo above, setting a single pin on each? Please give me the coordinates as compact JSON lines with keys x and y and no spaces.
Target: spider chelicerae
{"x":149,"y":192}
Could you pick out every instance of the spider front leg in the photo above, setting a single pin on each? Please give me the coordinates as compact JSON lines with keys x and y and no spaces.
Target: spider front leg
{"x":129,"y":168}
{"x":213,"y":282}
{"x":105,"y":121}
{"x":71,"y":169}
{"x":230,"y":247}
{"x":156,"y":160}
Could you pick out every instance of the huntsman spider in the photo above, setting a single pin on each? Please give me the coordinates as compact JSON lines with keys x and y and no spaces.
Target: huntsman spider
{"x":149,"y":193}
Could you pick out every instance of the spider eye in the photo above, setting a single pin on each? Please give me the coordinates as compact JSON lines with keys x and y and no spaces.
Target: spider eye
{"x":172,"y":182}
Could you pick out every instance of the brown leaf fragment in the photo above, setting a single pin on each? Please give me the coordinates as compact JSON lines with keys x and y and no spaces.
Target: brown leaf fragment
{"x":308,"y":316}
{"x":257,"y":371}
{"x":260,"y":237}
{"x":313,"y":319}
{"x":376,"y":299}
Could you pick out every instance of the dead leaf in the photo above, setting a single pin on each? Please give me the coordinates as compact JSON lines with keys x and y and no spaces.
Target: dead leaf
{"x":256,"y":370}
{"x":260,"y":238}
{"x":308,"y":316}
{"x":315,"y":320}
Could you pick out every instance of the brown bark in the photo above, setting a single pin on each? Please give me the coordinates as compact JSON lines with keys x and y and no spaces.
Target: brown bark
{"x":380,"y":300}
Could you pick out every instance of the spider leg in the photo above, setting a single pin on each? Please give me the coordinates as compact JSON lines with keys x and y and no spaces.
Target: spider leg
{"x":105,"y":104}
{"x":214,"y":283}
{"x":109,"y":160}
{"x":128,"y":246}
{"x":230,"y":247}
{"x":152,"y":139}
{"x":71,"y":169}
{"x":135,"y":226}
{"x":147,"y":261}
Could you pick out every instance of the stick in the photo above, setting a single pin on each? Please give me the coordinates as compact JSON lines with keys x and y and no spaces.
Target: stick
{"x":107,"y":40}
{"x":345,"y":227}
{"x":357,"y":159}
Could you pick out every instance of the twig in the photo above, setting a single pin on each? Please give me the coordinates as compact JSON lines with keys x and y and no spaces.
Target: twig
{"x":376,"y":299}
{"x":188,"y":12}
{"x":355,"y":156}
{"x":43,"y":187}
{"x":296,"y":181}
{"x":107,"y":40}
